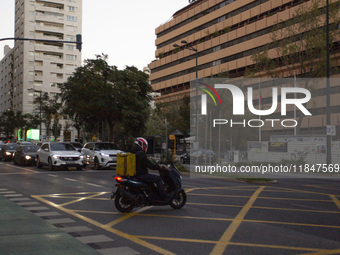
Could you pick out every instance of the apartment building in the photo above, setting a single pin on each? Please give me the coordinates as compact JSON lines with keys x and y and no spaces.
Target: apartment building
{"x":6,"y":79}
{"x":40,"y":66}
{"x":225,"y":34}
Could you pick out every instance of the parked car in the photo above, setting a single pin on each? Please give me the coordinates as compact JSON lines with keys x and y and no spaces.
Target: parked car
{"x":39,"y":143}
{"x":198,"y":156}
{"x":25,"y":154}
{"x":24,"y":143}
{"x":100,"y":154}
{"x":76,"y":145}
{"x":61,"y":155}
{"x":7,"y":151}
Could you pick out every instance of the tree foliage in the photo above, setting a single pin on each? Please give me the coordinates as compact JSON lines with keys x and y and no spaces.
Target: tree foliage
{"x":300,"y":46}
{"x":300,"y":43}
{"x":99,"y":95}
{"x":11,"y":121}
{"x":50,"y":109}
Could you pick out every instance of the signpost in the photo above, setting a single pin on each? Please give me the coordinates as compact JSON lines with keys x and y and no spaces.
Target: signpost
{"x":173,"y":137}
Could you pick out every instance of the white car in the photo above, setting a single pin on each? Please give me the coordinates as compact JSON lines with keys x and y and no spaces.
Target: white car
{"x":100,"y":154}
{"x":60,"y":155}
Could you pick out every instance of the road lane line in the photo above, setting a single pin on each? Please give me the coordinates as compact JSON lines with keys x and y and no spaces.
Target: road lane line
{"x":228,"y":234}
{"x":335,"y":200}
{"x":273,"y":198}
{"x":266,"y":208}
{"x":236,"y":244}
{"x":114,"y":231}
{"x":323,"y":252}
{"x":81,"y":199}
{"x":95,"y":185}
{"x":22,"y":168}
{"x":69,"y":179}
{"x":115,"y":222}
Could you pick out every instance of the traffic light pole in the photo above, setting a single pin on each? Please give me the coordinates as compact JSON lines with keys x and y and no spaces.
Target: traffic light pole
{"x":78,"y":41}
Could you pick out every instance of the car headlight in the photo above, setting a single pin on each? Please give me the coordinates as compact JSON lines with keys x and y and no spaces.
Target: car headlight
{"x":104,"y":155}
{"x":28,"y":157}
{"x":81,"y":156}
{"x":55,"y":156}
{"x":8,"y":153}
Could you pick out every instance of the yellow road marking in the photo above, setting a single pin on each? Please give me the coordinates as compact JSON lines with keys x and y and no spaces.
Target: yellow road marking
{"x":335,"y":200}
{"x":236,"y":244}
{"x":274,"y":198}
{"x":277,"y":247}
{"x":302,"y":191}
{"x":266,"y":208}
{"x":323,"y":252}
{"x":81,"y":199}
{"x":67,"y":194}
{"x":226,"y":237}
{"x":292,"y":223}
{"x":321,"y":187}
{"x":125,"y":217}
{"x":114,"y":231}
{"x":220,"y":243}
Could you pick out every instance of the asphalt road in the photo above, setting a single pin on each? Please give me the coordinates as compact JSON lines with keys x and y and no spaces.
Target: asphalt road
{"x":294,"y":216}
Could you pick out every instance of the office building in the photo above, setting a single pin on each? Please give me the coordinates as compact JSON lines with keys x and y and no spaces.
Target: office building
{"x":225,"y":34}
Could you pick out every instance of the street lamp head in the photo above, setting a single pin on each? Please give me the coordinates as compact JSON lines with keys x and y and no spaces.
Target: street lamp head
{"x":184,"y":42}
{"x":176,"y":45}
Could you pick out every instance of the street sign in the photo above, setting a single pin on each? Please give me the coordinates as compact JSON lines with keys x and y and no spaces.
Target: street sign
{"x":330,"y":130}
{"x":172,"y":137}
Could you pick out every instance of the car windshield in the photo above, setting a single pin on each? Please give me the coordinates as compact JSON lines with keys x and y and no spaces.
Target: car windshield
{"x":77,"y":145}
{"x":106,"y":146}
{"x":10,"y":146}
{"x":62,"y":147}
{"x":32,"y":148}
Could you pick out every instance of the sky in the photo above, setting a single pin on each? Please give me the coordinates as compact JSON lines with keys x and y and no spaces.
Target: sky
{"x":122,"y":29}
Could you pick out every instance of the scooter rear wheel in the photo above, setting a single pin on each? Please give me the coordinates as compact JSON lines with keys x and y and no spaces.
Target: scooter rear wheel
{"x":179,"y":200}
{"x":123,"y":204}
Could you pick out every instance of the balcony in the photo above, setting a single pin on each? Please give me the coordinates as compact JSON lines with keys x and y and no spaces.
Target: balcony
{"x":49,"y":18}
{"x":48,"y":48}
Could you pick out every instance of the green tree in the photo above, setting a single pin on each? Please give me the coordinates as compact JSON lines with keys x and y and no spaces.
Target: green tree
{"x":99,"y":95}
{"x":8,"y":123}
{"x":50,"y":108}
{"x":299,"y":44}
{"x":177,"y":114}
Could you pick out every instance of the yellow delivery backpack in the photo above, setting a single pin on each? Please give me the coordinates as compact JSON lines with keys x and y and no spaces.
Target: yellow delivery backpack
{"x":126,"y":164}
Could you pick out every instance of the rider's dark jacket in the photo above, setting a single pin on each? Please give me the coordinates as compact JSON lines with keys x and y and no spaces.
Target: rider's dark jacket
{"x":142,"y":161}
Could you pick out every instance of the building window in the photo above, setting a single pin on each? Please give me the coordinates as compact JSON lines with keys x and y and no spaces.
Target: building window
{"x":71,"y":9}
{"x":71,"y":18}
{"x":71,"y":57}
{"x":70,"y":47}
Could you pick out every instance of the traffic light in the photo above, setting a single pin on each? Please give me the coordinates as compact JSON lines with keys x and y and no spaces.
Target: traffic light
{"x":79,"y":42}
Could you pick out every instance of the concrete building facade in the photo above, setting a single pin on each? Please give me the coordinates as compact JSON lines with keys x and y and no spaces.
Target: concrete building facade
{"x":226,"y":34}
{"x":40,"y":66}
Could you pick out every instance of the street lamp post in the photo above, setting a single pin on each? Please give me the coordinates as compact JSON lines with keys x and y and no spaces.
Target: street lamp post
{"x":38,"y":91}
{"x":328,"y":106}
{"x":189,"y":47}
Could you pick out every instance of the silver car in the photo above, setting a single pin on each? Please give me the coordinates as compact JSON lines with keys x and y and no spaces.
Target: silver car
{"x":100,"y":154}
{"x":61,"y":155}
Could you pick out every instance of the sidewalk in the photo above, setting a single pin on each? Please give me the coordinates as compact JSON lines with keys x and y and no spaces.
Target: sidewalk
{"x":22,"y":232}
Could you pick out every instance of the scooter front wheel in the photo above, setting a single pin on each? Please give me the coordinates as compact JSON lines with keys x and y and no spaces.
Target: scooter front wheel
{"x":123,"y":204}
{"x":179,"y":200}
